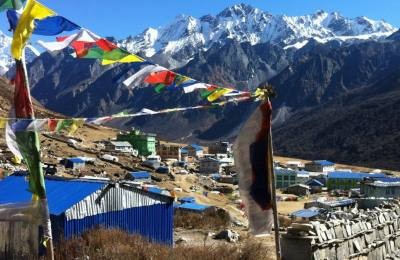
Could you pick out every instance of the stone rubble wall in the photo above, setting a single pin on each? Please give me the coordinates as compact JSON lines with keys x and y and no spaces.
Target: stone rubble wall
{"x":366,"y":234}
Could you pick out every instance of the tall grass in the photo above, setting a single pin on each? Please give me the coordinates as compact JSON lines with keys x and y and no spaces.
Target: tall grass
{"x":116,"y":244}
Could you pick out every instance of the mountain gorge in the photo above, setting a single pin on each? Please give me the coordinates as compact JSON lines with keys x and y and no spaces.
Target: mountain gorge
{"x":337,"y":81}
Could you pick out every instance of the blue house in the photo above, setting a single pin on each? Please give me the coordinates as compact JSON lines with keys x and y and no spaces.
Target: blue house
{"x":74,"y":163}
{"x":141,"y":176}
{"x":192,"y":150}
{"x":78,"y":205}
{"x":320,"y":166}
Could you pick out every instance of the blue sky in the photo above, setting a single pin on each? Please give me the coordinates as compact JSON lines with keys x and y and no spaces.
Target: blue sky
{"x":129,"y":17}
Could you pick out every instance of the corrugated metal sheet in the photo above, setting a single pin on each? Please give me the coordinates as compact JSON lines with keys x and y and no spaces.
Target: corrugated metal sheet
{"x":192,"y":206}
{"x":110,"y":199}
{"x":140,"y":175}
{"x":353,"y":175}
{"x":305,"y":213}
{"x":154,"y":222}
{"x":324,"y":163}
{"x":62,"y":194}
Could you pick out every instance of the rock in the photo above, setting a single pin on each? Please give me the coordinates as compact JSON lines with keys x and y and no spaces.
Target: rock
{"x":180,"y":240}
{"x":228,"y":235}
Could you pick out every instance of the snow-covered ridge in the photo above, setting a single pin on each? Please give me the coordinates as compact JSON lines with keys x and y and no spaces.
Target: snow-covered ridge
{"x":247,"y":24}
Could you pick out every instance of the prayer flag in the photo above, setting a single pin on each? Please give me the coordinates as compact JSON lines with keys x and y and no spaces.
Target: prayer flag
{"x":218,"y":93}
{"x":188,"y":88}
{"x":165,"y":77}
{"x":139,"y":77}
{"x":11,"y":4}
{"x":48,"y":26}
{"x":28,"y":141}
{"x":26,"y":26}
{"x":52,"y":124}
{"x":252,"y":159}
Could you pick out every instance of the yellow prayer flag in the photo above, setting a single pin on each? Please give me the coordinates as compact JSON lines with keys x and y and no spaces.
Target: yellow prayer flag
{"x":26,"y":25}
{"x":76,"y":123}
{"x":218,"y":93}
{"x":3,"y":123}
{"x":128,"y":59}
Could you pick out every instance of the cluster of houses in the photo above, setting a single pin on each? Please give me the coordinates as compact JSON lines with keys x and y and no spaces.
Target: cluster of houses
{"x":322,"y":175}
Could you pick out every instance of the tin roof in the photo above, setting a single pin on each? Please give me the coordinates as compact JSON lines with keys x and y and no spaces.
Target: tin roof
{"x":192,"y":206}
{"x":324,"y":162}
{"x":76,"y":160}
{"x":354,"y":175}
{"x":61,"y":194}
{"x":140,"y":175}
{"x":306,"y":213}
{"x":120,"y":143}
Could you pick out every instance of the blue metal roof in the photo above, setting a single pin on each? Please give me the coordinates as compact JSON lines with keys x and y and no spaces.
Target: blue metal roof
{"x":187,"y":200}
{"x":314,"y":182}
{"x":194,"y":146}
{"x":76,"y":160}
{"x":140,"y":175}
{"x":389,"y":179}
{"x":305,"y":213}
{"x":353,"y":175}
{"x":61,"y":194}
{"x":324,"y":162}
{"x":192,"y":206}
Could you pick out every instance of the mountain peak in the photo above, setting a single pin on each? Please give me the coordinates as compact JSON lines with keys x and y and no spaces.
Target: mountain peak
{"x":238,"y":10}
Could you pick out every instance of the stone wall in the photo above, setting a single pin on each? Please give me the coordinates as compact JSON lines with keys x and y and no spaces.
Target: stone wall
{"x":356,"y":234}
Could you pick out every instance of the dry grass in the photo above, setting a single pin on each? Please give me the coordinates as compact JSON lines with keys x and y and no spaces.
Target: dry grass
{"x":210,"y":219}
{"x":115,"y":244}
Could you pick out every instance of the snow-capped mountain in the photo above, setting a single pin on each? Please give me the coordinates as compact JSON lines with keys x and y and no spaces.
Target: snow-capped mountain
{"x":6,"y":61}
{"x":244,"y":23}
{"x":5,"y":56}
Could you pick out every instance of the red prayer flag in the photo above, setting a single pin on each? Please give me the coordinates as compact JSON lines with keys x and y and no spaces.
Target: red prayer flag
{"x":106,"y":45}
{"x":52,"y":124}
{"x":165,"y":77}
{"x":22,"y":102}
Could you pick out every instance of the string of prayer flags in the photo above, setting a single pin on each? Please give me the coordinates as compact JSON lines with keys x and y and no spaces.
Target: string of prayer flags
{"x":48,"y":26}
{"x":63,"y":42}
{"x":26,"y":25}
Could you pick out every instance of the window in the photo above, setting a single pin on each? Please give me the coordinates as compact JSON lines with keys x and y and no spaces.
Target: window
{"x":285,"y":177}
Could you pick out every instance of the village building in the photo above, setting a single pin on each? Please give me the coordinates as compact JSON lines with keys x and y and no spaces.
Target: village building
{"x":192,"y":150}
{"x":141,"y":176}
{"x":209,"y":166}
{"x":339,"y":180}
{"x":220,"y":147}
{"x":73,"y":163}
{"x":320,"y":166}
{"x":77,"y":205}
{"x":120,"y":146}
{"x":287,"y":177}
{"x":144,"y":143}
{"x":381,"y":188}
{"x":295,"y":165}
{"x":169,"y":151}
{"x":298,"y":189}
{"x":315,"y":185}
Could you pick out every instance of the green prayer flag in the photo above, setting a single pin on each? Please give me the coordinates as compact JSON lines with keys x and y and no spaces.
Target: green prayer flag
{"x":94,"y":53}
{"x":159,"y":88}
{"x":29,"y":147}
{"x":11,"y":4}
{"x":115,"y":54}
{"x":63,"y":123}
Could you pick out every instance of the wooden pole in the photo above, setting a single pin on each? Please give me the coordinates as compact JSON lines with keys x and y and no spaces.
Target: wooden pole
{"x":273,"y":192}
{"x":43,"y":201}
{"x":46,"y":224}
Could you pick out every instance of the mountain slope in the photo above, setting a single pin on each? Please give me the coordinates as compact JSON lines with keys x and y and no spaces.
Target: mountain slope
{"x":360,"y":127}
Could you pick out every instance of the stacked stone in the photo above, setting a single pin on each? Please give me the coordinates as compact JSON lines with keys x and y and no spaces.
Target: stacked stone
{"x":371,"y":234}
